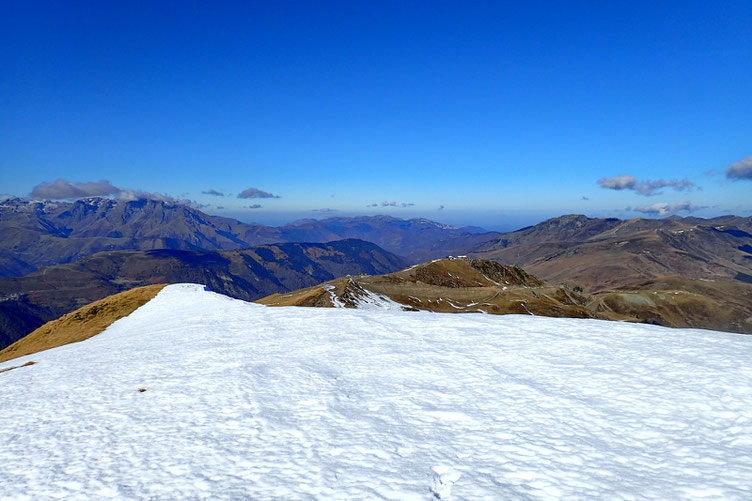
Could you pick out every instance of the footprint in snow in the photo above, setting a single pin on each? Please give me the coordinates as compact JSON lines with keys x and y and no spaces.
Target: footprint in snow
{"x":444,"y":478}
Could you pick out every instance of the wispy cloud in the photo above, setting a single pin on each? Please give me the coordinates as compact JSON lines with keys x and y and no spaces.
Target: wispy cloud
{"x":214,"y":193}
{"x":325,"y":209}
{"x":256,"y":193}
{"x":254,"y":206}
{"x":61,"y":189}
{"x":441,"y":207}
{"x":585,"y":198}
{"x":621,"y":182}
{"x":393,"y":204}
{"x":741,"y":170}
{"x":664,"y":208}
{"x":645,"y":187}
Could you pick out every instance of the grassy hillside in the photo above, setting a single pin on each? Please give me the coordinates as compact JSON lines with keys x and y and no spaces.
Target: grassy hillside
{"x":82,"y":323}
{"x":482,"y":286}
{"x":602,"y":254}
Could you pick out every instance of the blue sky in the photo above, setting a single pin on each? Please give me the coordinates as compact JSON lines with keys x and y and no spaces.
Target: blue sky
{"x":502,"y":113}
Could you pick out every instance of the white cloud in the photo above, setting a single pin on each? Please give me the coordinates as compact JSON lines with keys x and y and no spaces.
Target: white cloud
{"x":646,"y":187}
{"x":665,"y":208}
{"x":61,"y":189}
{"x":740,"y":170}
{"x":255,"y":193}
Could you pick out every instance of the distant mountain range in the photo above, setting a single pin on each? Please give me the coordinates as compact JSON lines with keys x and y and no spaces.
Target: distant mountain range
{"x":43,"y":233}
{"x":599,"y":254}
{"x":73,"y":253}
{"x":593,"y":253}
{"x":28,"y":302}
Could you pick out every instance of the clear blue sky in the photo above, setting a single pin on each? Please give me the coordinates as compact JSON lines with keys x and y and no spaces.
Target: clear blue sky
{"x":502,"y":112}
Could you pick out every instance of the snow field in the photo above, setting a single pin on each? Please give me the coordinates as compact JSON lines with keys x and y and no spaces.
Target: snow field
{"x":246,"y":401}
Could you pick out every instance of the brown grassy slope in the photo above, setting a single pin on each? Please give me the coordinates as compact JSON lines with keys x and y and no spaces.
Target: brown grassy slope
{"x":680,"y":302}
{"x":317,"y":296}
{"x":27,"y":364}
{"x":474,"y":285}
{"x":453,"y":286}
{"x":81,"y":324}
{"x":599,"y":254}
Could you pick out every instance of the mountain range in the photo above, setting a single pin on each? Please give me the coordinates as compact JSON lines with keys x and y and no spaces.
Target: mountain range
{"x":598,"y":254}
{"x":28,"y":302}
{"x":43,"y":233}
{"x":72,"y":253}
{"x":593,"y":253}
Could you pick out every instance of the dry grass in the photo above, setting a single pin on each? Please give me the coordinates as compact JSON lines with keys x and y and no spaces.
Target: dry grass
{"x":459,"y":285}
{"x":81,"y":324}
{"x":310,"y":296}
{"x":17,"y":367}
{"x":453,"y":286}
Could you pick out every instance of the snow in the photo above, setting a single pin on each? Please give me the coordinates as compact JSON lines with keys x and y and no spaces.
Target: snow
{"x":333,"y":296}
{"x":368,"y":300}
{"x":245,"y":401}
{"x":456,"y":307}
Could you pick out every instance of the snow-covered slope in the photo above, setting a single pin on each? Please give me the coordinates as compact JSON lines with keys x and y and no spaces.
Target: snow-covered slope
{"x":245,"y":401}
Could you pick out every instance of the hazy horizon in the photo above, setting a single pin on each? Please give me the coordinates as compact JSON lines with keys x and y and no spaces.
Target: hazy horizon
{"x":488,"y":220}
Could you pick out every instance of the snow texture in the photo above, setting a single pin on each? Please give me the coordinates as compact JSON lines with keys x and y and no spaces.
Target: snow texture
{"x":245,"y":401}
{"x":368,"y":300}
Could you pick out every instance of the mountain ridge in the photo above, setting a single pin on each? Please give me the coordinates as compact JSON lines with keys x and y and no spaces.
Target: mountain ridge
{"x":467,"y":285}
{"x":28,"y":302}
{"x":601,"y":253}
{"x":43,"y":233}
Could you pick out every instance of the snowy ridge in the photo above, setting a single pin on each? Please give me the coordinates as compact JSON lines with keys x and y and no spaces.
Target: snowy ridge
{"x":244,"y":401}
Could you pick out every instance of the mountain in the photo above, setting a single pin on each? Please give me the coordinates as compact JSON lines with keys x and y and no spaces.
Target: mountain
{"x":39,"y":234}
{"x":453,"y":285}
{"x":27,"y":302}
{"x":461,"y":285}
{"x":42,"y":233}
{"x":416,"y":239}
{"x":81,"y":324}
{"x":599,"y":254}
{"x":196,"y":395}
{"x":681,"y":302}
